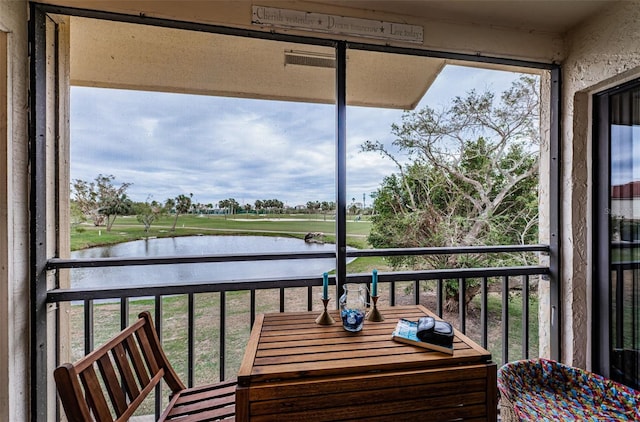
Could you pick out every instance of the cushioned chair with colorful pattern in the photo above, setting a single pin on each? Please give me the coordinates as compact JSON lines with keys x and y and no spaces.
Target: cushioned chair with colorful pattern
{"x":545,"y":390}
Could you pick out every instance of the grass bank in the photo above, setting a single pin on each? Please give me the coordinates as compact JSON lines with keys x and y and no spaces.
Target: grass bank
{"x":296,"y":226}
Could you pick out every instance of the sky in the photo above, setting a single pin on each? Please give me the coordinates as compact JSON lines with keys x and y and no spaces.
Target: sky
{"x":625,"y":154}
{"x":219,"y":148}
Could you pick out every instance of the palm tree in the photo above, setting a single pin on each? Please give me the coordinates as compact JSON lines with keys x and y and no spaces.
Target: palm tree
{"x":182,"y":206}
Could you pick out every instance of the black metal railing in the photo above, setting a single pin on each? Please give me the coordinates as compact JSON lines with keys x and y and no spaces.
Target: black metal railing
{"x":504,"y":293}
{"x":625,"y":322}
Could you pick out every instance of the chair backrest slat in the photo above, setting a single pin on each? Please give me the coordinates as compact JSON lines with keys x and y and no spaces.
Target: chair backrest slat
{"x":71,"y":394}
{"x":145,"y":392}
{"x":128,"y":378}
{"x":170,"y":376}
{"x":112,"y":384}
{"x":95,"y":395}
{"x":147,"y":351}
{"x":137,"y":362}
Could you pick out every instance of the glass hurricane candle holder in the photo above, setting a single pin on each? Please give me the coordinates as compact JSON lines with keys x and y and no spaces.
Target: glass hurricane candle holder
{"x":353,"y":307}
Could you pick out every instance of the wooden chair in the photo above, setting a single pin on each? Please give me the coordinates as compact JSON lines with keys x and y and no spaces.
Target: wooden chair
{"x":111,"y":382}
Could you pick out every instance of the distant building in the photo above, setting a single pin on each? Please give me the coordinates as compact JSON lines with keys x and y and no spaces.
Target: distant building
{"x":625,"y":201}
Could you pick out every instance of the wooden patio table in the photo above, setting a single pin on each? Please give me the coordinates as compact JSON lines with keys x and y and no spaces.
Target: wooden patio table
{"x":296,"y":370}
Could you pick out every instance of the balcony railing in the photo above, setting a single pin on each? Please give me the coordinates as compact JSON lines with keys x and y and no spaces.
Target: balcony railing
{"x":625,"y":322}
{"x":500,"y":317}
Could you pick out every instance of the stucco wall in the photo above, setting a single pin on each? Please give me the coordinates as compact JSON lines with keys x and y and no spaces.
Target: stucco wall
{"x":544,"y":285}
{"x":602,"y":53}
{"x":14,"y":233}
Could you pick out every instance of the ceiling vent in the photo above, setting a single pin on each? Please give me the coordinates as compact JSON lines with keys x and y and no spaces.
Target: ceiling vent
{"x":306,"y":58}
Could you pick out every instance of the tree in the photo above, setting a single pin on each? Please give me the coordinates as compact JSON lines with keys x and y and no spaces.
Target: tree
{"x":327,"y":206}
{"x":268,"y":205}
{"x":170,"y":205}
{"x":181,"y":205}
{"x":259,"y":205}
{"x":148,"y":212}
{"x":85,"y":196}
{"x":77,"y":217}
{"x":471,"y":178}
{"x":114,"y":206}
{"x":273,"y":205}
{"x":230,"y":204}
{"x":353,"y":208}
{"x":313,"y":206}
{"x":100,"y":199}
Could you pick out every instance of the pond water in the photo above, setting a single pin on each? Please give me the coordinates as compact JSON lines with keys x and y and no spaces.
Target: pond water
{"x":191,"y":273}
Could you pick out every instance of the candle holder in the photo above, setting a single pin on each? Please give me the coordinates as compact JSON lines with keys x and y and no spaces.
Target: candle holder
{"x":374,"y":314}
{"x":324,"y":318}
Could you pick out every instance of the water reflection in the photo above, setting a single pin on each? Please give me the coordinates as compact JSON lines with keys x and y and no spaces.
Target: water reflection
{"x":190,"y":273}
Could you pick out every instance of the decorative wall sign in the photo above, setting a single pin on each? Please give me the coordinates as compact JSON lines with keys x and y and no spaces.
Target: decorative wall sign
{"x":332,"y":24}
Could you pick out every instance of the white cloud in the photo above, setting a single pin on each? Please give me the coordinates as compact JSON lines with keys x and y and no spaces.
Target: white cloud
{"x":218,"y":148}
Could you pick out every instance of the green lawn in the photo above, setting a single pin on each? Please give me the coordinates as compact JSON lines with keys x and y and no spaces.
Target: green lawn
{"x":516,"y":332}
{"x":297,"y":225}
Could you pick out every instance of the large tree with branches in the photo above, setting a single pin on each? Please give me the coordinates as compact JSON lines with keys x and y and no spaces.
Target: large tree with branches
{"x":101,"y":200}
{"x":471,"y":177}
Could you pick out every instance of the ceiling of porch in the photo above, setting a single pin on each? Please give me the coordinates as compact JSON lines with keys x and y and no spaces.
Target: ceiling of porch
{"x":120,"y":55}
{"x":127,"y":56}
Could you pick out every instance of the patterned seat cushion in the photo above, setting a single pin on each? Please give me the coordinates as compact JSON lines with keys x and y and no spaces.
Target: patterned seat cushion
{"x":545,"y":390}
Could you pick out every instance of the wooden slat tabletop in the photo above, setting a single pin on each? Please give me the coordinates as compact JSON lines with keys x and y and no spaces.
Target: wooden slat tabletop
{"x":289,"y":346}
